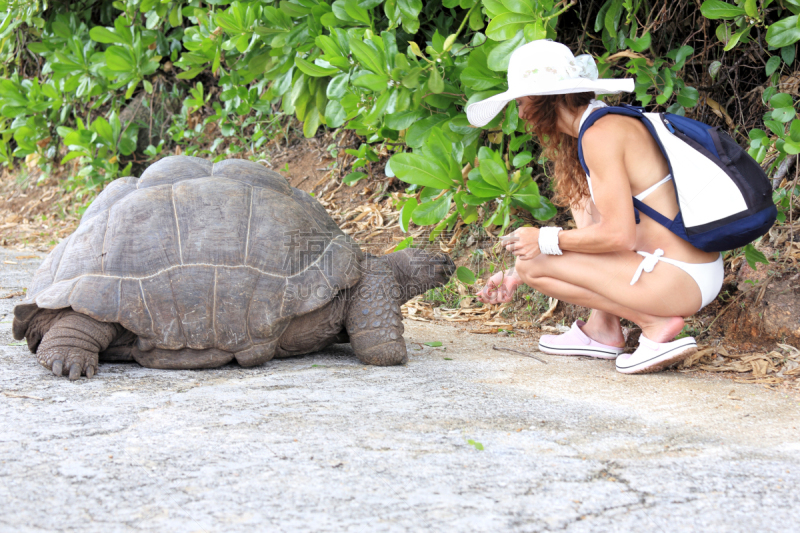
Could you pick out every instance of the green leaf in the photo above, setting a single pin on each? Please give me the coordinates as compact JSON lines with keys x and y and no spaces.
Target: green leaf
{"x":433,"y":344}
{"x":404,"y":119}
{"x":753,"y":256}
{"x":374,"y":82}
{"x":410,"y":9}
{"x":724,"y":33}
{"x":429,"y":213}
{"x":511,"y":119}
{"x":439,"y":148}
{"x":787,"y":54}
{"x":794,"y":131}
{"x":641,"y":44}
{"x":314,"y":70}
{"x":784,"y":114}
{"x":176,"y":16}
{"x":529,"y":196}
{"x":775,"y":127}
{"x":784,"y":32}
{"x":435,"y":82}
{"x":356,"y":12}
{"x":688,"y":97}
{"x":103,"y":129}
{"x":773,"y":64}
{"x":337,"y":86}
{"x":335,"y":115}
{"x":405,"y":213}
{"x":418,"y":170}
{"x":716,"y":9}
{"x":506,"y":25}
{"x":679,"y":56}
{"x":465,"y":275}
{"x":480,"y":79}
{"x":734,"y":40}
{"x":476,"y":20}
{"x":535,"y":31}
{"x":494,"y":174}
{"x":368,"y":57}
{"x":546,"y":212}
{"x":418,"y":133}
{"x":612,"y":18}
{"x":70,"y":156}
{"x":522,"y":159}
{"x":104,"y":35}
{"x":294,"y":10}
{"x":494,"y":8}
{"x":781,"y":100}
{"x":750,"y":8}
{"x":498,"y":58}
{"x":523,"y":7}
{"x":482,"y":189}
{"x":119,"y":59}
{"x":191,"y":73}
{"x":478,"y":446}
{"x":354,"y":177}
{"x":519,"y":141}
{"x":791,"y":147}
{"x":405,"y":243}
{"x":311,"y":122}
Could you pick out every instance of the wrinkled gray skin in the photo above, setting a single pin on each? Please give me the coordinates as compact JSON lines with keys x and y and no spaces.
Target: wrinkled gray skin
{"x":68,"y":324}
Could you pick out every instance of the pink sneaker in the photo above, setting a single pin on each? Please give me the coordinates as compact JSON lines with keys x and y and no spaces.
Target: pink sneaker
{"x":654,"y":356}
{"x":576,"y":342}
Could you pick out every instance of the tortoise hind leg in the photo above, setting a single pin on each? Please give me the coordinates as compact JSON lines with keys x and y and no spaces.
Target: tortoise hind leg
{"x":120,"y":350}
{"x":73,"y":342}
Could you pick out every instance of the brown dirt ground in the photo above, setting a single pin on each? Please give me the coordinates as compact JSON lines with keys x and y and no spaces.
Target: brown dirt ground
{"x":35,"y":213}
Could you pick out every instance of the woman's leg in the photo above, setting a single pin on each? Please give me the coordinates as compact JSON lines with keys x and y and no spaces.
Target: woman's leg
{"x":602,"y":281}
{"x":601,"y":326}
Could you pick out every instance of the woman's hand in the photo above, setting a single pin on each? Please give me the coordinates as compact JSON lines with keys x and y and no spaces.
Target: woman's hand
{"x":526,"y":246}
{"x":500,"y":288}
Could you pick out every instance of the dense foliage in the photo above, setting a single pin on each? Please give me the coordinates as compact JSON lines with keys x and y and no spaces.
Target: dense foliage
{"x":397,"y":72}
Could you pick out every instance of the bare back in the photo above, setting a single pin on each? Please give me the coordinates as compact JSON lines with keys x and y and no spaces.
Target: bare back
{"x":645,"y":166}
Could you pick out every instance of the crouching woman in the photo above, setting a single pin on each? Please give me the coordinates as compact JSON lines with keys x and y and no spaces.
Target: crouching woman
{"x":617,"y":267}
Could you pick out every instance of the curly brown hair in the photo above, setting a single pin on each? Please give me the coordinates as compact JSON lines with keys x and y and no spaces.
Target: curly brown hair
{"x":541,"y":117}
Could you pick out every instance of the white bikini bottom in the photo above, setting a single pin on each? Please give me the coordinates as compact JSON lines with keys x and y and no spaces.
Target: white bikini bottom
{"x":708,"y":276}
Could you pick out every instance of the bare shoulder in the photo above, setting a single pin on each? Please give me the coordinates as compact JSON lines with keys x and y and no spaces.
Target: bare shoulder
{"x":612,"y":127}
{"x":611,"y":133}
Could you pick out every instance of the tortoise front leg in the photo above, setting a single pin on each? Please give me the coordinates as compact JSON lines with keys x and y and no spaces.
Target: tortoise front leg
{"x":73,"y":342}
{"x":375,"y":323}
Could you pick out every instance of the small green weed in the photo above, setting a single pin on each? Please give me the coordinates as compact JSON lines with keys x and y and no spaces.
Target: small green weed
{"x":477,"y":445}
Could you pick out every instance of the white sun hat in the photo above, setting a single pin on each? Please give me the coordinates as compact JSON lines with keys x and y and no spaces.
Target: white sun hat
{"x":546,"y":67}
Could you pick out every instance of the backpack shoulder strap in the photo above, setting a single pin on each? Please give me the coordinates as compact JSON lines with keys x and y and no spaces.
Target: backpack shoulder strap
{"x":594,"y":116}
{"x":635,"y":112}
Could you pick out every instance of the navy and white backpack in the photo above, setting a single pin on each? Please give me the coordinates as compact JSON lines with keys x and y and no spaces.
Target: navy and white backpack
{"x":724,"y":197}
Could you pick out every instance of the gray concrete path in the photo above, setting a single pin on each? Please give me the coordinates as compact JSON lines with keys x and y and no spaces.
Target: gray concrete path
{"x":323,"y":443}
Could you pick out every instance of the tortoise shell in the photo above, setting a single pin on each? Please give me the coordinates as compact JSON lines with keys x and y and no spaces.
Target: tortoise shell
{"x":198,"y":255}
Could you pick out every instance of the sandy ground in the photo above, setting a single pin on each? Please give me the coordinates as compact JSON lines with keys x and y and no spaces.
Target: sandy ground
{"x":322,"y":443}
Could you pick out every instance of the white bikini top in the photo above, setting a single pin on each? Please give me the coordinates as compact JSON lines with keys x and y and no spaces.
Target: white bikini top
{"x":596,"y":104}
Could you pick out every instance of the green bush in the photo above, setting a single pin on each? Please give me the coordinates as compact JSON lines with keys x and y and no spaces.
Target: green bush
{"x":399,"y":72}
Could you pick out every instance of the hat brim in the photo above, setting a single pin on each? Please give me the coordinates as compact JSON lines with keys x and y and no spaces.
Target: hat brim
{"x":481,"y":113}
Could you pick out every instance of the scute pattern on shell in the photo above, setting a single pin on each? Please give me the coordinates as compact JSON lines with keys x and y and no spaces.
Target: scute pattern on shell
{"x":198,"y":255}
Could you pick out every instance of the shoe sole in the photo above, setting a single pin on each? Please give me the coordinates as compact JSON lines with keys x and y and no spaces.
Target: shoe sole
{"x":575,"y":350}
{"x":661,"y":363}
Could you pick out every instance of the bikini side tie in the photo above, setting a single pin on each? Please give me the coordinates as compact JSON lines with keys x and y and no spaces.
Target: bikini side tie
{"x":647,"y":264}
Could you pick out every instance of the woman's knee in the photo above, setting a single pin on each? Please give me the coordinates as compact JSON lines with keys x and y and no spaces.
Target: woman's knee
{"x":531,"y":270}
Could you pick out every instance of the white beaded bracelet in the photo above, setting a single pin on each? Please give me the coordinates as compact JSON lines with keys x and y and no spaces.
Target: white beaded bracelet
{"x":548,"y":240}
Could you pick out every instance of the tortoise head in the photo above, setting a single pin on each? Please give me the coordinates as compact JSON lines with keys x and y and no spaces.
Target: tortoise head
{"x":417,"y":270}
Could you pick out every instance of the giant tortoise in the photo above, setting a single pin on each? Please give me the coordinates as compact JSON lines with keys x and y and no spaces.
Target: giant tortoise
{"x":196,"y":264}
